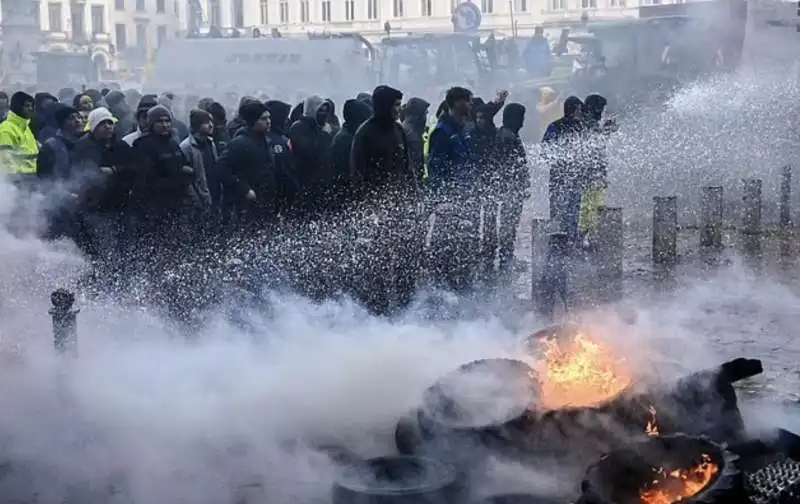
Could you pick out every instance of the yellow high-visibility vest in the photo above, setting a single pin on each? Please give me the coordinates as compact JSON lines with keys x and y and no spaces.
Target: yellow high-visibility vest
{"x":18,"y":147}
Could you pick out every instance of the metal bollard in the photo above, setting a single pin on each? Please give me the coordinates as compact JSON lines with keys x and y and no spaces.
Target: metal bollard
{"x":665,"y":230}
{"x":65,"y":321}
{"x":751,"y":206}
{"x":711,"y":217}
{"x":786,"y":198}
{"x":610,"y":252}
{"x":555,"y":276}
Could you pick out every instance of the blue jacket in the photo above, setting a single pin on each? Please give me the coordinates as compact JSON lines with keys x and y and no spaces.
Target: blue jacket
{"x":450,"y":156}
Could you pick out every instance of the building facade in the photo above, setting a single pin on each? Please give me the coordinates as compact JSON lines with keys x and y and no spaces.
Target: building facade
{"x":75,"y":26}
{"x":140,"y":26}
{"x":371,"y":16}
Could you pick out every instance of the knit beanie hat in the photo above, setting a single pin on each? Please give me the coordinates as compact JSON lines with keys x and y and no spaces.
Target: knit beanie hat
{"x":197,"y":118}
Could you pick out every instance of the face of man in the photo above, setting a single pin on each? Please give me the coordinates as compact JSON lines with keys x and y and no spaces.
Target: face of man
{"x":206,"y":129}
{"x":263,"y":124}
{"x":398,"y":104}
{"x":163,"y":126}
{"x":104,"y":130}
{"x":73,"y":125}
{"x":27,"y":110}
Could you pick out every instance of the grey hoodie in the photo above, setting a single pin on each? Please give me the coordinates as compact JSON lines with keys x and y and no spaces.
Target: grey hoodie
{"x":311,"y":106}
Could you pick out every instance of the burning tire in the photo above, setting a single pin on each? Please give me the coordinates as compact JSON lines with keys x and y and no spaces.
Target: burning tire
{"x":676,"y":468}
{"x":399,"y":480}
{"x":489,"y":397}
{"x":518,"y":498}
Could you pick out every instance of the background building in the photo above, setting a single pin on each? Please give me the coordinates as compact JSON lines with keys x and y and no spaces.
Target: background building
{"x":74,"y":26}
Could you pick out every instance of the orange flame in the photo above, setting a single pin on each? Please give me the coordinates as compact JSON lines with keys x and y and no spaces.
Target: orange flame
{"x":579,"y":372}
{"x":669,"y":487}
{"x":651,"y":429}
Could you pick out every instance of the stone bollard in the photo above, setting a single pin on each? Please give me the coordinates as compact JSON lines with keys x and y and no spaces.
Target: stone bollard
{"x":786,"y":198}
{"x":538,"y":255}
{"x":665,"y":230}
{"x":711,"y":217}
{"x":610,"y":253}
{"x":554,"y":278}
{"x":751,"y":206}
{"x":65,"y":321}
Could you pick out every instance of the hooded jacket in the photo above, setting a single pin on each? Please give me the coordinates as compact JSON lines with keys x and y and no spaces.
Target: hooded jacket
{"x":563,"y":147}
{"x":513,"y":169}
{"x":416,"y":110}
{"x":43,"y":124}
{"x":311,"y":153}
{"x":285,"y":176}
{"x":17,"y":143}
{"x":380,"y":166}
{"x":162,"y":184}
{"x":101,"y":192}
{"x":355,"y":114}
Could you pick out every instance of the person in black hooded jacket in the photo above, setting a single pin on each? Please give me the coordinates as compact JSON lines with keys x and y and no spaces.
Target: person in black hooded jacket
{"x":282,"y":156}
{"x":415,"y":119}
{"x":43,"y":124}
{"x":355,"y":114}
{"x":310,"y":138}
{"x":249,"y":168}
{"x":382,"y":176}
{"x":514,"y":180}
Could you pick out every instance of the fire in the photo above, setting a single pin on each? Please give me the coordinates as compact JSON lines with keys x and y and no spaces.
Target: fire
{"x":670,"y":487}
{"x":651,"y":429}
{"x":580,"y":372}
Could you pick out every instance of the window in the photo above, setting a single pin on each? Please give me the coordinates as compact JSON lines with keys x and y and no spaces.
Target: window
{"x":372,"y":9}
{"x":176,"y":8}
{"x":454,"y":5}
{"x":263,"y":7}
{"x":304,"y":11}
{"x":522,"y":5}
{"x":238,"y":14}
{"x":140,"y":6}
{"x":557,"y":4}
{"x":161,"y":6}
{"x":119,"y":5}
{"x":35,"y":13}
{"x":121,"y":35}
{"x":216,"y":13}
{"x":588,"y":4}
{"x":349,"y":9}
{"x":161,"y":34}
{"x":397,"y":8}
{"x":487,"y":6}
{"x":54,"y":17}
{"x":98,"y":19}
{"x":326,"y":10}
{"x":284,"y":11}
{"x":141,"y":35}
{"x":426,"y":7}
{"x":77,"y":15}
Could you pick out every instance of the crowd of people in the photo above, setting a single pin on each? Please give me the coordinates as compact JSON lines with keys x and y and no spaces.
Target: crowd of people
{"x":145,"y":183}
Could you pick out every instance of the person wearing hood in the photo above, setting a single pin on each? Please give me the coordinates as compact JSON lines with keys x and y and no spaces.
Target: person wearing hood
{"x":537,"y":55}
{"x":415,"y":122}
{"x":18,"y":145}
{"x":43,"y":123}
{"x":450,"y":170}
{"x":179,"y":128}
{"x":310,"y":140}
{"x":145,"y":104}
{"x":355,"y":114}
{"x":121,"y":111}
{"x":84,"y":103}
{"x":382,"y":175}
{"x":548,"y":110}
{"x":514,"y":181}
{"x":102,"y":163}
{"x":238,"y":122}
{"x":163,"y":189}
{"x":201,"y":154}
{"x":54,"y":165}
{"x":249,"y":170}
{"x":286,"y":179}
{"x":595,"y":183}
{"x":563,"y":149}
{"x":219,"y":115}
{"x":54,"y":162}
